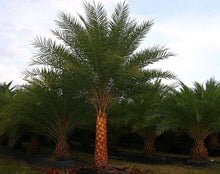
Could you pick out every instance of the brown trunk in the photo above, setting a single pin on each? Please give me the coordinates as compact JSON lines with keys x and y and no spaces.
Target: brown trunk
{"x":101,"y":153}
{"x":213,"y":142}
{"x":62,"y":149}
{"x":199,"y":151}
{"x":149,"y":148}
{"x":34,"y":145}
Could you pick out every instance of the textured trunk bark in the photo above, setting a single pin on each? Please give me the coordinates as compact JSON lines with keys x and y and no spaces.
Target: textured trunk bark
{"x":62,"y":149}
{"x":199,"y":151}
{"x":34,"y":145}
{"x":149,"y":148}
{"x":213,"y":142}
{"x":101,"y":153}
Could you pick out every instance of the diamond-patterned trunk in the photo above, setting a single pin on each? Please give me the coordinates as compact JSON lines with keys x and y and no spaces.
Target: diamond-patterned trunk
{"x":62,"y":149}
{"x":149,"y":148}
{"x":199,"y":151}
{"x":101,"y":153}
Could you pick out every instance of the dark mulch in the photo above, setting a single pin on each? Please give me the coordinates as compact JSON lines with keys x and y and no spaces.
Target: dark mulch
{"x":161,"y":160}
{"x":42,"y":163}
{"x":36,"y":159}
{"x":89,"y":169}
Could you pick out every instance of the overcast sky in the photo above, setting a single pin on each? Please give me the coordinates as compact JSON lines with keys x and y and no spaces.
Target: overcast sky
{"x":189,"y":28}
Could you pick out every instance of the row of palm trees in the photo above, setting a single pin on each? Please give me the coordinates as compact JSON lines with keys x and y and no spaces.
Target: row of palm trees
{"x":96,"y":67}
{"x":194,"y":111}
{"x":43,"y":110}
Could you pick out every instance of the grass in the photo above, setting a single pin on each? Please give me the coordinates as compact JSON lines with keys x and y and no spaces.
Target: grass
{"x":156,"y":169}
{"x":166,"y":169}
{"x":10,"y":166}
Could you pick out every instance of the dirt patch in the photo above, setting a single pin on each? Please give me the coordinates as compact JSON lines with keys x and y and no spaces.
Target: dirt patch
{"x":37,"y":159}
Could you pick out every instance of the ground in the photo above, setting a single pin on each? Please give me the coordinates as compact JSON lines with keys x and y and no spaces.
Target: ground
{"x":161,"y":163}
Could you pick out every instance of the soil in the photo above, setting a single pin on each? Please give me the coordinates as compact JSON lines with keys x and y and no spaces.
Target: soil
{"x":161,"y":160}
{"x":39,"y":160}
{"x":41,"y":163}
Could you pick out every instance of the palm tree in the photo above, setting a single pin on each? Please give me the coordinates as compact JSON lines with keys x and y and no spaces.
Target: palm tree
{"x":11,"y":124}
{"x":60,"y":112}
{"x":99,"y":57}
{"x":197,"y":112}
{"x":44,"y":108}
{"x":146,"y":115}
{"x":6,"y":94}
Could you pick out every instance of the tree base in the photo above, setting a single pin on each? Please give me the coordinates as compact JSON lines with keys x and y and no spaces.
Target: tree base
{"x":199,"y":151}
{"x":149,"y":148}
{"x":62,"y":151}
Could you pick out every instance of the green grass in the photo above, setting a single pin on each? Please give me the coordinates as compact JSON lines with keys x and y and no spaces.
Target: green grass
{"x":11,"y":166}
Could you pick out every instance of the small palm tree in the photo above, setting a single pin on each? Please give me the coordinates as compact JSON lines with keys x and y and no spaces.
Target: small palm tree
{"x":6,"y":95}
{"x":146,"y":115}
{"x":197,"y":112}
{"x":59,"y":114}
{"x":12,"y":124}
{"x":44,"y":108}
{"x":99,"y":57}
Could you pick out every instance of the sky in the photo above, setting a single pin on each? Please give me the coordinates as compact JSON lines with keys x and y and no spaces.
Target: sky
{"x":189,"y":28}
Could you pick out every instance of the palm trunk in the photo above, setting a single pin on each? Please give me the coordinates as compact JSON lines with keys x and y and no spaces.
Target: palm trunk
{"x":149,"y":148}
{"x":34,"y":145}
{"x":199,"y":151}
{"x":213,"y":142}
{"x":101,"y":153}
{"x":62,"y":149}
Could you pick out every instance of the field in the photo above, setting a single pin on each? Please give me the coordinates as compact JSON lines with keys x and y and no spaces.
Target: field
{"x":160,"y":163}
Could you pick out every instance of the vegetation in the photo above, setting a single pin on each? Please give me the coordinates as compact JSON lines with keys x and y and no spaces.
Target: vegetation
{"x":95,"y":68}
{"x":9,"y":165}
{"x":146,"y":116}
{"x":98,"y":58}
{"x":197,"y":112}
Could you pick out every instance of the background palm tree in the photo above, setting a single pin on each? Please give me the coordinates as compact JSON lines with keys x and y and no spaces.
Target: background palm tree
{"x":12,"y":123}
{"x":44,"y":108}
{"x":6,"y":94}
{"x":99,"y":57}
{"x":197,"y":112}
{"x":146,"y":115}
